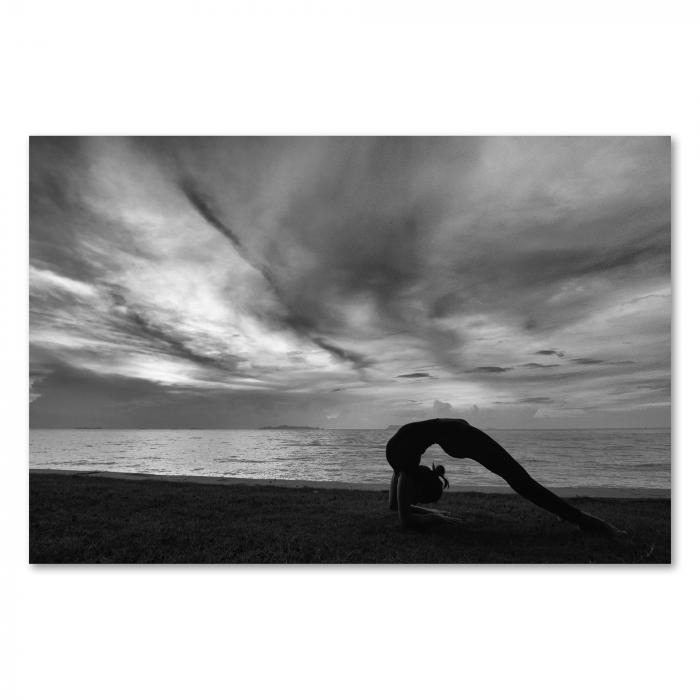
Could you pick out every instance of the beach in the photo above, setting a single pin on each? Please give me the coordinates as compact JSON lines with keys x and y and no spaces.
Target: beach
{"x":107,"y":517}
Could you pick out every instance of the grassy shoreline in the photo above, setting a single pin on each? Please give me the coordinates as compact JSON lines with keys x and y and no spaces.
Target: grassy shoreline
{"x":76,"y":518}
{"x":564,"y":492}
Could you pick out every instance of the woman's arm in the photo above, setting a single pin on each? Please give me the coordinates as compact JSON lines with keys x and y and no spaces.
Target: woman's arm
{"x":405,"y":496}
{"x":410,"y":514}
{"x":393,"y":497}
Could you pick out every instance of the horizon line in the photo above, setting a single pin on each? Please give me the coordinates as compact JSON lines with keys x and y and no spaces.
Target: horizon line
{"x":50,"y":427}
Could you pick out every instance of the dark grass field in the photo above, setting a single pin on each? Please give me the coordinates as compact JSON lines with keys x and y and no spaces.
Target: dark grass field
{"x":74,"y":518}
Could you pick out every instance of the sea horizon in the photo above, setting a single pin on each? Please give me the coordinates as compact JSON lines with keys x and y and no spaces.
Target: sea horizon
{"x":309,"y":428}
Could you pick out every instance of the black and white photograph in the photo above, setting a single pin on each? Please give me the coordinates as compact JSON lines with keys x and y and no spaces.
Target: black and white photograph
{"x":350,"y":349}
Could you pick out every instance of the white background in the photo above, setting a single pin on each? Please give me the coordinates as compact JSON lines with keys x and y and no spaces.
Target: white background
{"x":347,"y":67}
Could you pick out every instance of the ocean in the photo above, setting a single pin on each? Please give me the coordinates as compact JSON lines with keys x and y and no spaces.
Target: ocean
{"x":557,"y":458}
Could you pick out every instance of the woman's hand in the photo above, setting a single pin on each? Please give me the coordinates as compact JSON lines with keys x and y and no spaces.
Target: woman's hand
{"x":433,"y":515}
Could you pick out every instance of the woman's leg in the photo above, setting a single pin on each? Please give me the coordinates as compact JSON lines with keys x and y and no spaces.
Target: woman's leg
{"x":496,"y":459}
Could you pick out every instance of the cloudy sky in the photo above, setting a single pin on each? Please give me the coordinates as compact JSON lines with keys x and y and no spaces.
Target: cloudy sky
{"x":239,"y":282}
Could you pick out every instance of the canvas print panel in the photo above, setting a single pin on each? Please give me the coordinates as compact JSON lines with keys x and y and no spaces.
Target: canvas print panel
{"x":350,"y":349}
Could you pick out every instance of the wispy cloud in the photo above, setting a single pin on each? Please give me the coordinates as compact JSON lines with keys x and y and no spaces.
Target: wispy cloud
{"x":488,"y":369}
{"x":312,"y":273}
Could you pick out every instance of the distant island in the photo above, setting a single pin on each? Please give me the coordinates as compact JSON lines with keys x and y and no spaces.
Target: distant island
{"x":290,"y":427}
{"x":393,"y":427}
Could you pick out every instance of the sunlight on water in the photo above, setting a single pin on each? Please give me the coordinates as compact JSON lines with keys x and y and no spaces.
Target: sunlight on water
{"x":602,"y":458}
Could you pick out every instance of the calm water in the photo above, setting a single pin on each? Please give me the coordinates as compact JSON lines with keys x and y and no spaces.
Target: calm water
{"x":607,"y":458}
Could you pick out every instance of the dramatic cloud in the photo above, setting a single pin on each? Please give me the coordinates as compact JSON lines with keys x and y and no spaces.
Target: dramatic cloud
{"x":247,"y":281}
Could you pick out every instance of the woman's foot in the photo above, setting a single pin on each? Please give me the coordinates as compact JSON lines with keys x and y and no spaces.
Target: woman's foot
{"x":597,"y":526}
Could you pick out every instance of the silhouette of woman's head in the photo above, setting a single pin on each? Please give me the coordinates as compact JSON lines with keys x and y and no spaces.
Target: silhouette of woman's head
{"x":427,"y":484}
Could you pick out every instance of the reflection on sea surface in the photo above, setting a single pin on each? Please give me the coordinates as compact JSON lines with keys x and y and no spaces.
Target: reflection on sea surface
{"x":601,"y":458}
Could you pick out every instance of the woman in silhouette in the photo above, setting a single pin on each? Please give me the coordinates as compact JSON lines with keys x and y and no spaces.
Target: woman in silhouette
{"x":412,"y":482}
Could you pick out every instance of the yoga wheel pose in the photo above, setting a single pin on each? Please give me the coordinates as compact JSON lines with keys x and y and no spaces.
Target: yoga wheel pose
{"x":414,"y":483}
